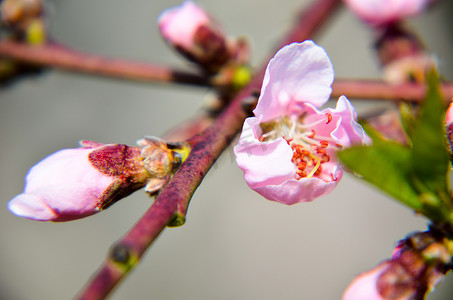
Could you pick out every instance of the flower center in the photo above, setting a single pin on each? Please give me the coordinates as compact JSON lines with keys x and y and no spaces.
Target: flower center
{"x":310,"y":149}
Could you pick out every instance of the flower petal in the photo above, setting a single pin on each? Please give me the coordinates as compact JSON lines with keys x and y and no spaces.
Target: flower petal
{"x":386,"y":11}
{"x":263,"y":163}
{"x":31,"y":207}
{"x":179,"y":24}
{"x":297,"y":191}
{"x":348,"y":131}
{"x":364,"y":287}
{"x":63,"y":186}
{"x":299,"y":73}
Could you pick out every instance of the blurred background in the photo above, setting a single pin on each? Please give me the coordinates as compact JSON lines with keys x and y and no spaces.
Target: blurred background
{"x":235,"y":244}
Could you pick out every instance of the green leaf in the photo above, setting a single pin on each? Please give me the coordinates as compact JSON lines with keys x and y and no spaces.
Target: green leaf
{"x":386,"y":165}
{"x":407,"y":119}
{"x":417,"y":174}
{"x":429,"y":154}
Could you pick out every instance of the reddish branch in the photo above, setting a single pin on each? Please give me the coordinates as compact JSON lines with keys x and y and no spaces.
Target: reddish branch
{"x":380,"y":90}
{"x":66,"y":59}
{"x":207,"y":146}
{"x":59,"y":57}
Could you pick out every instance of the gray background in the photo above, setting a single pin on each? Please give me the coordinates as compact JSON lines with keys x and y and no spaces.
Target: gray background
{"x":235,"y":244}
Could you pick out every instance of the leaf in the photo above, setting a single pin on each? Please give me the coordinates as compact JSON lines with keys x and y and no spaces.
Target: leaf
{"x":429,"y":153}
{"x":417,"y":174}
{"x":386,"y":165}
{"x":407,"y":119}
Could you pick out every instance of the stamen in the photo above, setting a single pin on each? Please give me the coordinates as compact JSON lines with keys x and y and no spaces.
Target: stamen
{"x":310,"y":150}
{"x":328,"y":117}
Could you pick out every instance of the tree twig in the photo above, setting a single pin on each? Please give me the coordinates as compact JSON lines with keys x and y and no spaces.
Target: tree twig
{"x":380,"y":90}
{"x":174,"y":198}
{"x":65,"y":59}
{"x":60,"y":57}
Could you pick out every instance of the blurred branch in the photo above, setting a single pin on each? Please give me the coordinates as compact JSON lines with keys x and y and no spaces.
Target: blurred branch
{"x":60,"y":57}
{"x":380,"y":90}
{"x":174,"y":199}
{"x":63,"y":58}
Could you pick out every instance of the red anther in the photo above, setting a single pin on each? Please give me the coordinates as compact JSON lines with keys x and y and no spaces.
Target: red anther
{"x":328,"y":117}
{"x":312,"y":135}
{"x":325,"y":158}
{"x":318,"y":171}
{"x":339,"y":146}
{"x":324,"y":143}
{"x":261,"y":139}
{"x":321,"y":151}
{"x":302,"y":165}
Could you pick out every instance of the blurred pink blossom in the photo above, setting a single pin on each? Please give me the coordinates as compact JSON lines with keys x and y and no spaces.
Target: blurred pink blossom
{"x":178,"y":25}
{"x":288,"y":150}
{"x":386,"y":11}
{"x":75,"y":183}
{"x":197,"y":36}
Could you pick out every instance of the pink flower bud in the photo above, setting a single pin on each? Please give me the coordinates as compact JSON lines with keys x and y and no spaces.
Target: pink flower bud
{"x":75,"y":183}
{"x":364,"y":286}
{"x":386,"y":11}
{"x":192,"y":32}
{"x":417,"y":265}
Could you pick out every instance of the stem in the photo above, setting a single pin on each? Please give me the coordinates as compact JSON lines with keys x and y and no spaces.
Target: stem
{"x":380,"y":90}
{"x":63,"y":58}
{"x":174,"y":198}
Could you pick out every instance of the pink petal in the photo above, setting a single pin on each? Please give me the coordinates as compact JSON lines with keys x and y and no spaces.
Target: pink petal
{"x":299,"y":73}
{"x":364,"y":287}
{"x":68,"y":166}
{"x":263,"y":163}
{"x":385,"y":11}
{"x":449,"y":116}
{"x":62,"y":186}
{"x":297,"y":191}
{"x":348,"y":131}
{"x":31,"y":207}
{"x":179,"y":24}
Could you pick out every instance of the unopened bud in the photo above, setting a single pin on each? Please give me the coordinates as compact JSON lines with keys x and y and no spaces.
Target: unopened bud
{"x":196,"y":35}
{"x":417,"y":265}
{"x":75,"y":183}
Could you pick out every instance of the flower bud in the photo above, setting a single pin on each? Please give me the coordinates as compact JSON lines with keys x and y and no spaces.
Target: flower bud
{"x":417,"y":265}
{"x":75,"y":183}
{"x":23,"y":18}
{"x":193,"y":33}
{"x":20,"y":11}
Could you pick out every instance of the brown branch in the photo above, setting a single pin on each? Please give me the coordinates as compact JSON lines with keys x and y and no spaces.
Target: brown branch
{"x":174,"y":198}
{"x":65,"y":59}
{"x":380,"y":90}
{"x":60,"y":57}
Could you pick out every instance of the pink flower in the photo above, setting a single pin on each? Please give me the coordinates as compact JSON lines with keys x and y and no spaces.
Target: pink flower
{"x":386,"y":11}
{"x":287,"y":151}
{"x":192,"y":32}
{"x":75,"y":183}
